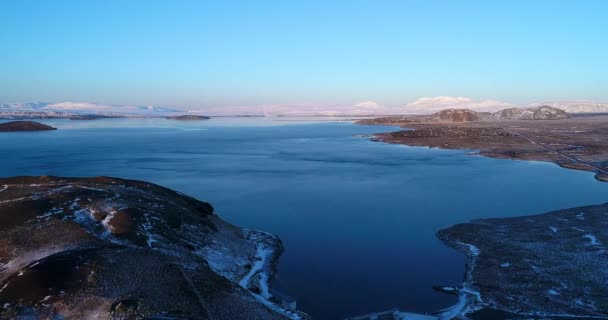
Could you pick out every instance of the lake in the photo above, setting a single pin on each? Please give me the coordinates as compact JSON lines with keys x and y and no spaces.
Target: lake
{"x":357,"y":218}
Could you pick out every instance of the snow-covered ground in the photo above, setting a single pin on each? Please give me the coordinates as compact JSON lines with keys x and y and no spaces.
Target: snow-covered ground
{"x":260,"y":273}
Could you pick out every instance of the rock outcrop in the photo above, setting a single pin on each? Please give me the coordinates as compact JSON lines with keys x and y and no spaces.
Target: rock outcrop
{"x":108,"y":248}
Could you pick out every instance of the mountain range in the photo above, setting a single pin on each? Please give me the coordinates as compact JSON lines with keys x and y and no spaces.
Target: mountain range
{"x":577,"y":106}
{"x":67,"y":109}
{"x":87,"y":108}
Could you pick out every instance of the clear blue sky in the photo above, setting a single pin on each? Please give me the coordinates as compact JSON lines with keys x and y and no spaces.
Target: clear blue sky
{"x":209,"y":53}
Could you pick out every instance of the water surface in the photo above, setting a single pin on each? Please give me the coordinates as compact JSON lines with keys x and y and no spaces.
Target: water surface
{"x":357,"y":218}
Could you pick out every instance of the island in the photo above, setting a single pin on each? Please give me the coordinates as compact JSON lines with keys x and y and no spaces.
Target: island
{"x":24,"y":126}
{"x":188,"y":117}
{"x":78,"y":248}
{"x":541,"y":134}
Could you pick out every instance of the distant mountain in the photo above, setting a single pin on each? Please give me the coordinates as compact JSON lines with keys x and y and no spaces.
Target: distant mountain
{"x":535,"y":113}
{"x":579,"y":106}
{"x":458,"y":115}
{"x":466,"y":115}
{"x":586,"y":108}
{"x":88,"y":108}
{"x":23,"y":106}
{"x":10,"y":114}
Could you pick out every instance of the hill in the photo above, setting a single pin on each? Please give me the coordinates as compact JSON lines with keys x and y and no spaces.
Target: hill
{"x":535,"y":113}
{"x":108,"y":248}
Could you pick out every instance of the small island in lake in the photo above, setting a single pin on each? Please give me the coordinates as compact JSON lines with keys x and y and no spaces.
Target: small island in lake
{"x":188,"y":117}
{"x":24,"y":126}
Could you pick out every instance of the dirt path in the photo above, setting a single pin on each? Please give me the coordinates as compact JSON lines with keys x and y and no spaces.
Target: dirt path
{"x":557,"y":151}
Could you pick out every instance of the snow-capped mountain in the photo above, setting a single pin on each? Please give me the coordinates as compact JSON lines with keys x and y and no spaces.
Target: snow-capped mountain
{"x":588,"y":108}
{"x":543,"y":112}
{"x":88,"y":108}
{"x":30,"y":106}
{"x":578,"y":106}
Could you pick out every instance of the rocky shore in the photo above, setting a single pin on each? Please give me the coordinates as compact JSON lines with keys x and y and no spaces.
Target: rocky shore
{"x":548,"y":266}
{"x":80,"y":248}
{"x":576,"y":143}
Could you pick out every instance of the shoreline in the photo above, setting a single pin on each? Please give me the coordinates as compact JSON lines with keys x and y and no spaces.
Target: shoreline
{"x":576,"y":143}
{"x":561,"y":289}
{"x":263,"y":270}
{"x":181,"y":259}
{"x":600,"y":176}
{"x":471,"y":302}
{"x":505,"y":254}
{"x":508,"y":154}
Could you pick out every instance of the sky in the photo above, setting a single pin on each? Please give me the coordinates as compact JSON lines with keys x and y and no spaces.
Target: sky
{"x":216,"y":54}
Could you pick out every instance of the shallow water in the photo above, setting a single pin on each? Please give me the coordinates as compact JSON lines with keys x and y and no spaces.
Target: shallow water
{"x":357,"y":218}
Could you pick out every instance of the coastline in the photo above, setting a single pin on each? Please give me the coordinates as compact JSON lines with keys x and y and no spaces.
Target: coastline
{"x":173,"y":248}
{"x":263,"y":270}
{"x":575,"y":144}
{"x":563,"y":251}
{"x":472,"y":303}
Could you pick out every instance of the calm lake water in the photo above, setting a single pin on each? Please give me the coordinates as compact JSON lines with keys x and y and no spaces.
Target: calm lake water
{"x":357,"y":218}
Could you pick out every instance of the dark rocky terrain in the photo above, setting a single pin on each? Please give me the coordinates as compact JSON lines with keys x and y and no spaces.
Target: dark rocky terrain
{"x":457,"y":115}
{"x":548,"y":266}
{"x":188,"y":117}
{"x":466,"y":115}
{"x":576,"y":143}
{"x":24,"y":126}
{"x":444,"y":116}
{"x":107,"y":248}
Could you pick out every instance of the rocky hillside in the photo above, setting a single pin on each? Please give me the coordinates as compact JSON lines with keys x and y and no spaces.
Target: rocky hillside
{"x":107,"y":248}
{"x":458,"y":115}
{"x":24,"y":126}
{"x":536,"y":113}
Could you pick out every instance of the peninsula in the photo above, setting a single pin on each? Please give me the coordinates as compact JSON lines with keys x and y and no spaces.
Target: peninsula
{"x":541,"y":134}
